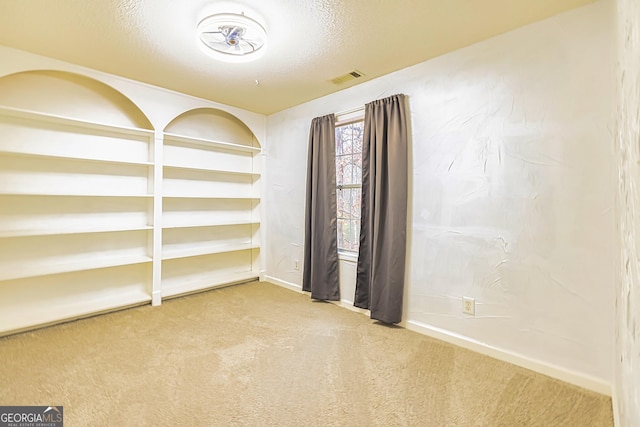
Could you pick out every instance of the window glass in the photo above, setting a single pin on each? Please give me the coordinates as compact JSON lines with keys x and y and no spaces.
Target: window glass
{"x":349,"y":184}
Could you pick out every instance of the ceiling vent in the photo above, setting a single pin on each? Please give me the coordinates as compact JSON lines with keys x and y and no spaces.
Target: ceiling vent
{"x":355,"y":74}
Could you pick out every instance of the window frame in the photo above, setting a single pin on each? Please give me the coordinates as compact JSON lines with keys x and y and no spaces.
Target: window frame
{"x":346,"y":119}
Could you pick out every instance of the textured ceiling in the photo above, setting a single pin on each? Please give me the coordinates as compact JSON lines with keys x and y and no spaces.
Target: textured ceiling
{"x":310,"y":41}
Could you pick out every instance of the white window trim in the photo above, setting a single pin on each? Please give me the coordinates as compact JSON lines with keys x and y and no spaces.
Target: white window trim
{"x":343,"y":119}
{"x":348,"y":256}
{"x":351,"y":116}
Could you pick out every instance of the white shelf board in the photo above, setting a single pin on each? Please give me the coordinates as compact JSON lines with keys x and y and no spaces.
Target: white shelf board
{"x":41,"y":312}
{"x":210,"y":170}
{"x":170,"y":138}
{"x":60,"y":194}
{"x":21,"y":271}
{"x":213,"y":282}
{"x":182,"y":196}
{"x":70,"y":230}
{"x":211,"y":224}
{"x":68,"y":121}
{"x":208,"y":250}
{"x":83,"y":159}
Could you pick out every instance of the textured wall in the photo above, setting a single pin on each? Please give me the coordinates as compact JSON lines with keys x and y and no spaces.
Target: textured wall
{"x":628,"y":288}
{"x":511,"y":198}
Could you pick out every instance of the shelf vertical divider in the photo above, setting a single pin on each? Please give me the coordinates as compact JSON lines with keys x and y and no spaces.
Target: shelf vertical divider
{"x":156,"y":239}
{"x":257,"y":162}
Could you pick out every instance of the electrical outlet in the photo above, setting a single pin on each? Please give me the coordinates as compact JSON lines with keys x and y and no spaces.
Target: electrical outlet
{"x":296,"y":264}
{"x":469,"y":306}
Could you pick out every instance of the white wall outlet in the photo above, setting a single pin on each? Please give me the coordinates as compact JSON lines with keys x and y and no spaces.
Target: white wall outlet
{"x":469,"y":306}
{"x":296,"y":264}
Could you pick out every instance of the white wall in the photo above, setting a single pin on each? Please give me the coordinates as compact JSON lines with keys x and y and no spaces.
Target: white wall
{"x":511,"y":199}
{"x":627,"y":293}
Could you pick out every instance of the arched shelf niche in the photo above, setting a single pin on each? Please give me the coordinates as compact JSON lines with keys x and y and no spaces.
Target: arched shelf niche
{"x":211,"y":202}
{"x":77,"y":200}
{"x":213,"y":125}
{"x":70,"y":95}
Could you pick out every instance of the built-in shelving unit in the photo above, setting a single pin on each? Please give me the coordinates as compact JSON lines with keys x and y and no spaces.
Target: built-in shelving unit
{"x":75,"y":217}
{"x":94,"y":216}
{"x":210,"y":220}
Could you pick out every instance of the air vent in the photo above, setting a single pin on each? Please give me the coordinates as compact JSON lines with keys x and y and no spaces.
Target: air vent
{"x":355,"y":74}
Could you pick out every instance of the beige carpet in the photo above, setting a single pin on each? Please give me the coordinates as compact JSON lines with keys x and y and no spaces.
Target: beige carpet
{"x":259,"y":355}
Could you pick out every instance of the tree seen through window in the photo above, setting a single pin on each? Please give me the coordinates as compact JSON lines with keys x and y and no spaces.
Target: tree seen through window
{"x":349,"y":184}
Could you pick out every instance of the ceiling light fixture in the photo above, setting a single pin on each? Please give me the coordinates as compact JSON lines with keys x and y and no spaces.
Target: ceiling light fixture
{"x":232,"y":37}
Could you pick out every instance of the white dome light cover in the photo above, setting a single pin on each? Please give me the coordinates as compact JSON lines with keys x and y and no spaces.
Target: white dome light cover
{"x":232,"y":37}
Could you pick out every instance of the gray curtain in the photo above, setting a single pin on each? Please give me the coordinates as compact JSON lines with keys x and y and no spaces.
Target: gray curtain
{"x":383,"y":228}
{"x":321,"y":236}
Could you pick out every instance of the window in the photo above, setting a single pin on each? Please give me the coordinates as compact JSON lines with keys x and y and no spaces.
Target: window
{"x":349,"y":184}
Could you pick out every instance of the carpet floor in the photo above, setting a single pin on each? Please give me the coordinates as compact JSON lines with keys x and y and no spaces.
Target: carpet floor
{"x":260,"y":355}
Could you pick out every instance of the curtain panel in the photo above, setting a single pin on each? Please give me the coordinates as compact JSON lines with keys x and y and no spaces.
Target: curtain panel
{"x":321,"y":236}
{"x":383,"y":228}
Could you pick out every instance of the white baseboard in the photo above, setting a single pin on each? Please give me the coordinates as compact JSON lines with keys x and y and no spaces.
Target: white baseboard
{"x":349,"y":306}
{"x":284,"y":284}
{"x":156,"y":298}
{"x":616,"y":409}
{"x":576,"y":378}
{"x":572,"y":377}
{"x":298,"y":288}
